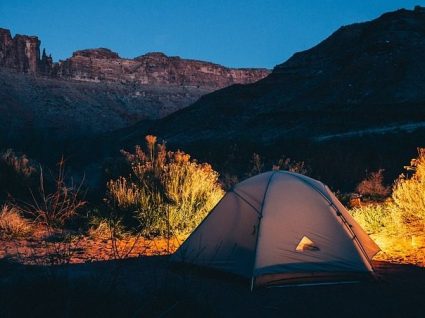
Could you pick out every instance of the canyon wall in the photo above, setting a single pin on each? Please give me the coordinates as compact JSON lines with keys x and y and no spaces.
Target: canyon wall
{"x":22,"y":54}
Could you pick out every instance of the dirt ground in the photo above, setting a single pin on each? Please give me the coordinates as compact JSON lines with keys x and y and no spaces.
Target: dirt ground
{"x":58,"y":249}
{"x":90,"y":280}
{"x":151,"y":286}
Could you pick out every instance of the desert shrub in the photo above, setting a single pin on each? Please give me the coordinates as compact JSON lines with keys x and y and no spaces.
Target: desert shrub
{"x":257,"y":163}
{"x":20,"y":164}
{"x":228,"y":181}
{"x":405,"y":210}
{"x":17,"y":174}
{"x":398,"y":224}
{"x":166,"y":191}
{"x":373,"y":218}
{"x":283,"y":163}
{"x":12,"y":224}
{"x":106,"y":228}
{"x":373,"y":186}
{"x":409,"y":196}
{"x":53,"y":207}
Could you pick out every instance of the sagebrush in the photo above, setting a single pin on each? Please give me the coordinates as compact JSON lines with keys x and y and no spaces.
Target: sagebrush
{"x":166,"y":192}
{"x":373,"y":186}
{"x":401,"y":218}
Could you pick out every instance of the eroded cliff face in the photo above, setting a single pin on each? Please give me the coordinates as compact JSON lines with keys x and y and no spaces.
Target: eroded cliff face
{"x":22,"y":54}
{"x":95,"y":91}
{"x":152,"y":68}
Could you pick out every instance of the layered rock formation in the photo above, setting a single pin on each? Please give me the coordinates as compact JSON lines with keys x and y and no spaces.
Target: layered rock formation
{"x":94,"y":91}
{"x":152,"y":68}
{"x":22,"y":54}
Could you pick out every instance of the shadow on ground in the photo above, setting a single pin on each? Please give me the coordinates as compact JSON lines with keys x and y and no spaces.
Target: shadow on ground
{"x":151,"y":287}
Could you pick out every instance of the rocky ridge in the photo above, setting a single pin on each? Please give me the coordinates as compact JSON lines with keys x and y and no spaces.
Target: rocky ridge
{"x":22,"y":54}
{"x":95,"y":91}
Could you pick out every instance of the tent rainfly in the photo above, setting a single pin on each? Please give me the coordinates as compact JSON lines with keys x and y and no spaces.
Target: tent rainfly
{"x":280,"y":227}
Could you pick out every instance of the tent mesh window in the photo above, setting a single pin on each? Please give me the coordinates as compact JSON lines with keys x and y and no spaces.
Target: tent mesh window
{"x":306,"y":245}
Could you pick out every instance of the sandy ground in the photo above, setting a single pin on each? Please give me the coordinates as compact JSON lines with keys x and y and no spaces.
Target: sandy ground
{"x":91,"y":281}
{"x":53,"y":249}
{"x":153,"y":287}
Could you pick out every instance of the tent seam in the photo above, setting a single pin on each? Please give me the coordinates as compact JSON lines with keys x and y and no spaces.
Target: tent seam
{"x":245,"y":200}
{"x":339,"y":214}
{"x":259,"y":224}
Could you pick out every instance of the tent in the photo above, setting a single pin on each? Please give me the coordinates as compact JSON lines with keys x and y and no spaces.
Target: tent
{"x":280,"y":226}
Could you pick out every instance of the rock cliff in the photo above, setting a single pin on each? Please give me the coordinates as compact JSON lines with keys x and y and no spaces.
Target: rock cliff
{"x":22,"y":54}
{"x":95,"y":91}
{"x":152,"y":68}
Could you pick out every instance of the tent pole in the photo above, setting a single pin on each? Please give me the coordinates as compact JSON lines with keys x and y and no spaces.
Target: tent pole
{"x":260,"y":216}
{"x":344,"y":221}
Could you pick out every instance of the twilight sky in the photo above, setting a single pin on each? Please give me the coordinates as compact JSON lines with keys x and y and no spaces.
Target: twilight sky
{"x":237,"y":33}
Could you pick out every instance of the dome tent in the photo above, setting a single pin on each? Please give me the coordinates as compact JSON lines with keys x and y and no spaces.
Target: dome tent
{"x":280,"y":226}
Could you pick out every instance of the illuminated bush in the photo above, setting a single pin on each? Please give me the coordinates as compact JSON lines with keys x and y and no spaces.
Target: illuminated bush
{"x":398,"y":224}
{"x":373,"y":186}
{"x":166,"y":192}
{"x":409,"y":196}
{"x":373,"y":218}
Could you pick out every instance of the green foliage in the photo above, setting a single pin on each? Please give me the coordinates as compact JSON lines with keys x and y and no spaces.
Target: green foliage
{"x":409,"y":196}
{"x":404,"y":213}
{"x":373,"y":218}
{"x":166,"y":191}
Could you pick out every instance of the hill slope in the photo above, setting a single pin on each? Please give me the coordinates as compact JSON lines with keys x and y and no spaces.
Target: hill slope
{"x":355,"y":101}
{"x":96,"y":91}
{"x":363,"y":75}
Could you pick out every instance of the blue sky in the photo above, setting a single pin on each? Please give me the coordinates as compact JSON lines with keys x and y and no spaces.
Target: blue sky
{"x":237,"y":33}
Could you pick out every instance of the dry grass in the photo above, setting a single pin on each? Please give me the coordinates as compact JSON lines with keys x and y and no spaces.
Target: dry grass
{"x":53,"y":207}
{"x":12,"y":224}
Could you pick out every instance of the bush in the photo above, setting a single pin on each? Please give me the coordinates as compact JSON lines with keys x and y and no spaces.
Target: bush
{"x":17,"y":174}
{"x":405,"y":210}
{"x":104,"y":228}
{"x":409,"y":196}
{"x":398,"y":224}
{"x":166,"y":191}
{"x":53,"y":207}
{"x":373,"y":218}
{"x":12,"y":224}
{"x":283,"y":163}
{"x":373,"y":186}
